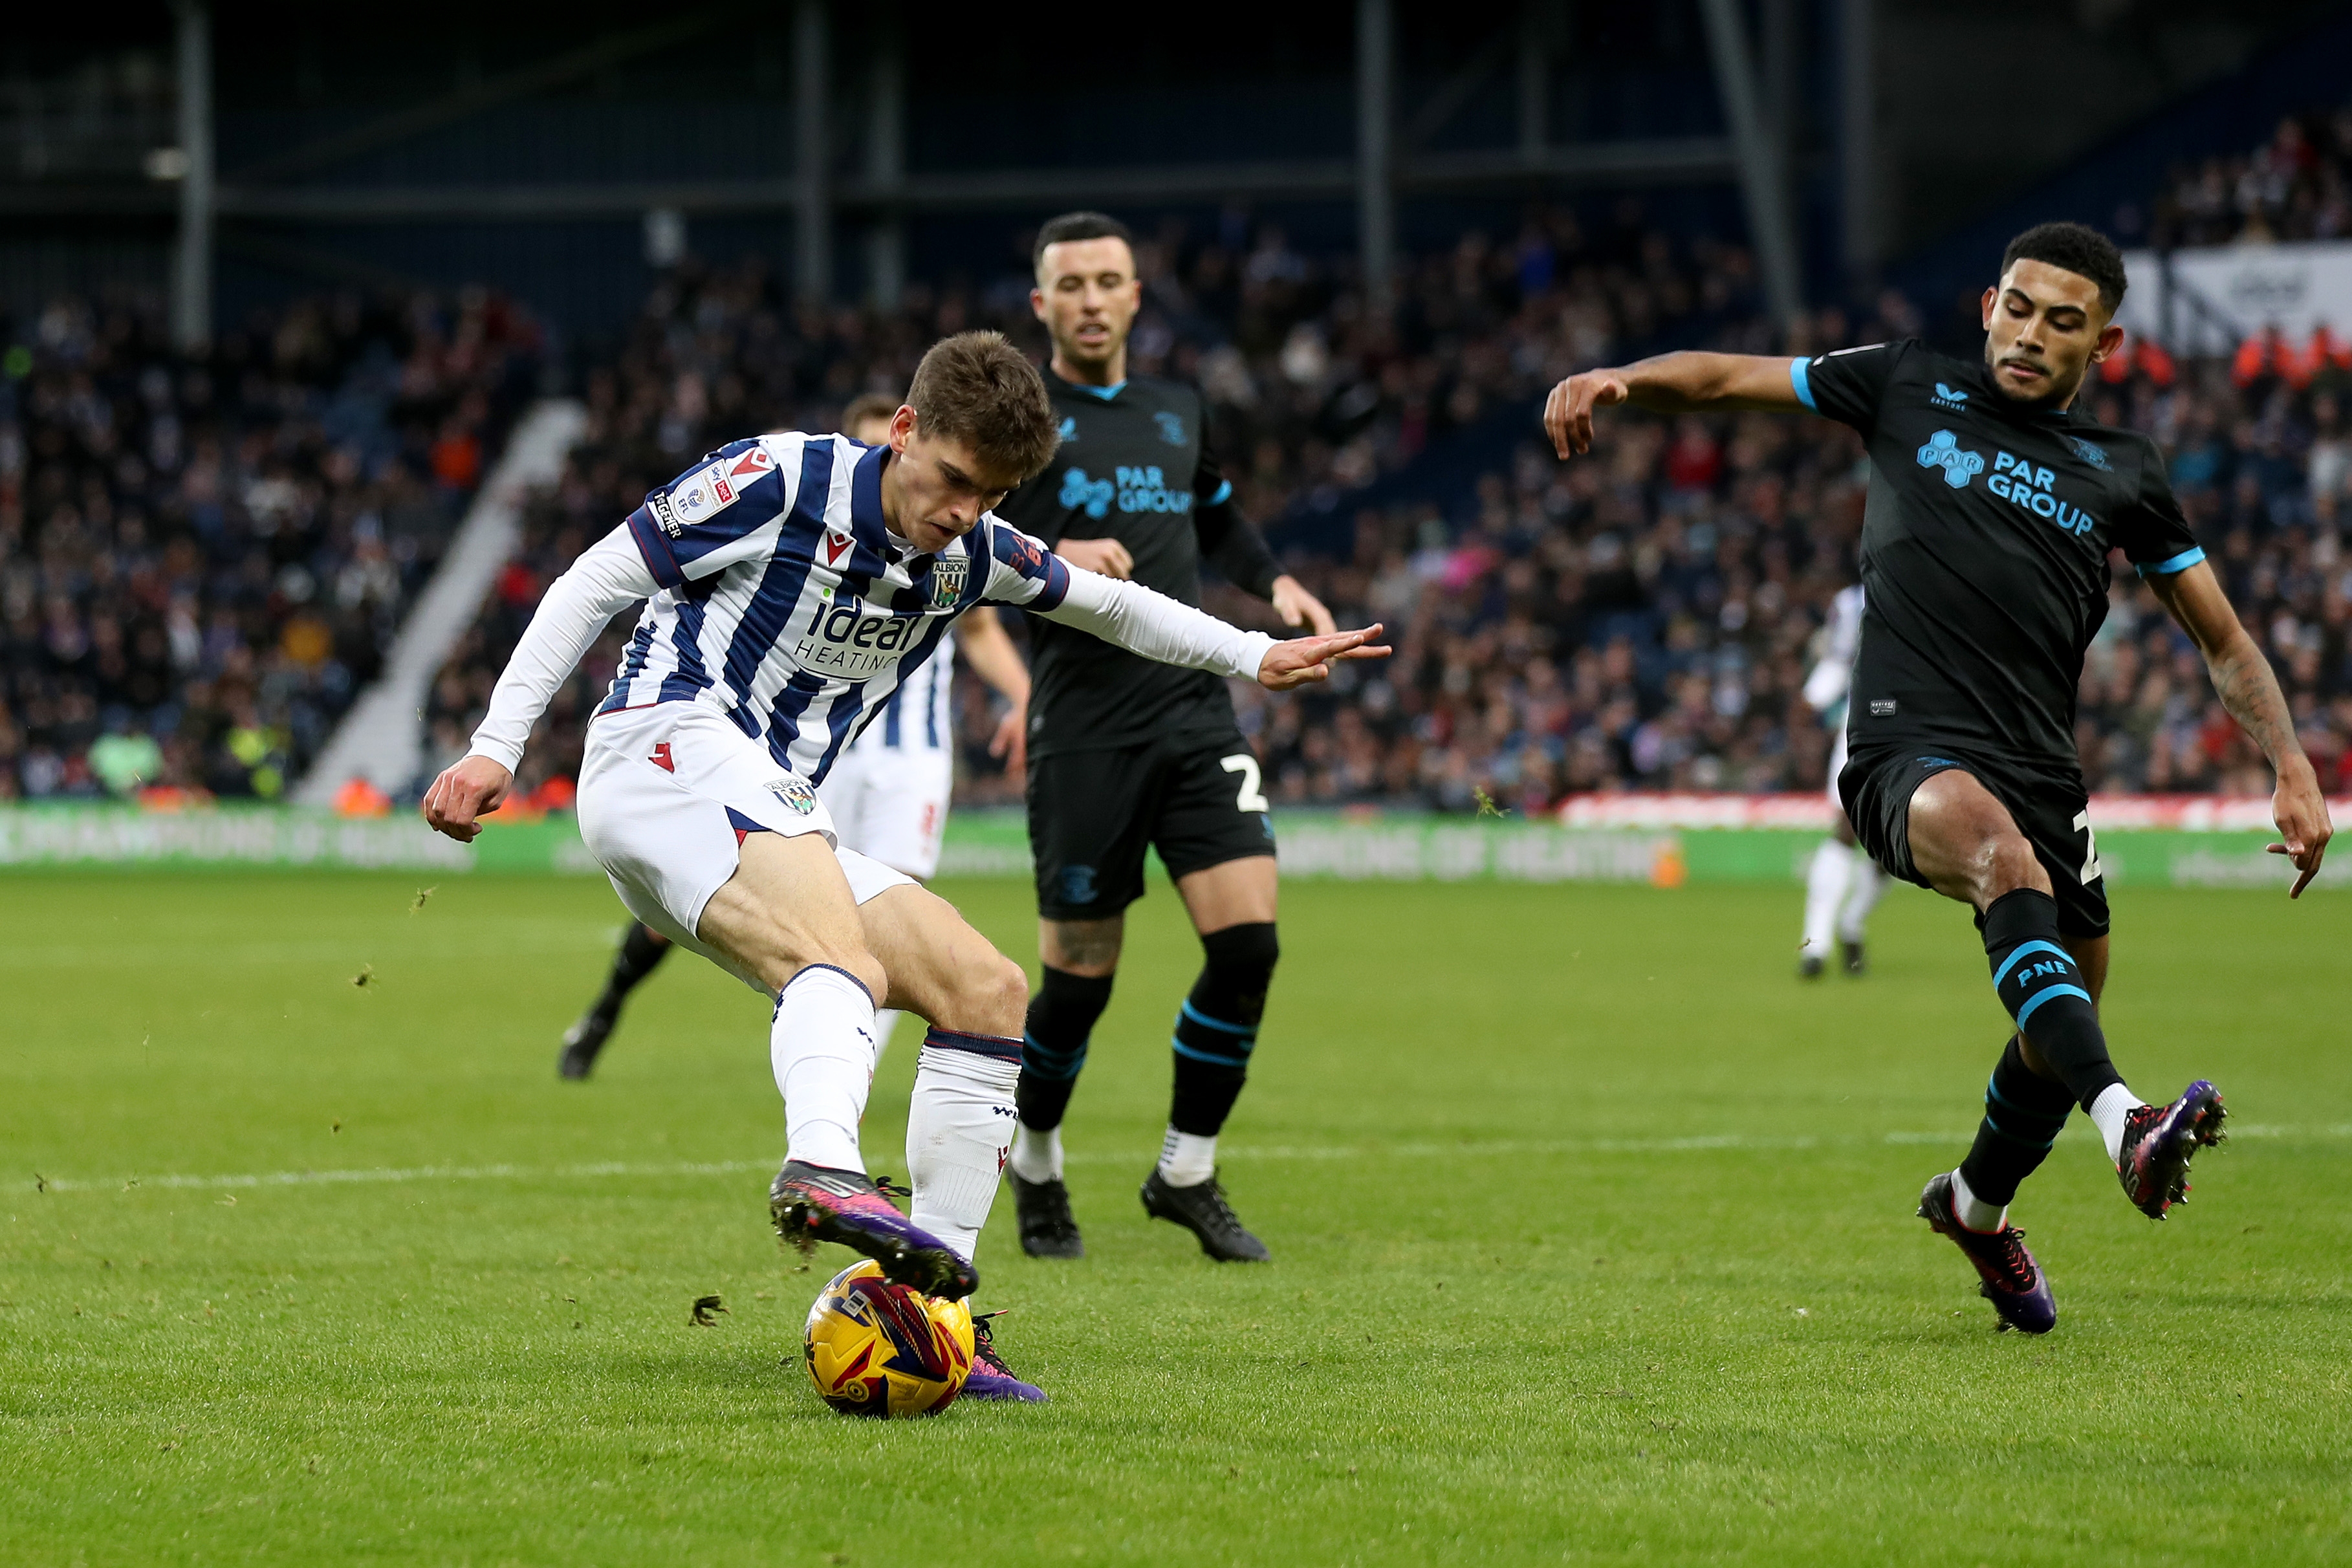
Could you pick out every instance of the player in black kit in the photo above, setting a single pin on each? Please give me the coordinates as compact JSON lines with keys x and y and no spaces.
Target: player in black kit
{"x":1125,"y":754}
{"x":1993,"y":509}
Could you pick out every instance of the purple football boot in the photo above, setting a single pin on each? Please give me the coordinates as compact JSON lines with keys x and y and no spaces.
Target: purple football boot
{"x":991,"y":1378}
{"x":810,"y":1204}
{"x":2013,"y":1282}
{"x":2159,"y":1143}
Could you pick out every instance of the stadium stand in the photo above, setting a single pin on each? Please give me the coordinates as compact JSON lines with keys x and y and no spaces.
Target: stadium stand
{"x":1641,"y":621}
{"x":201,"y":560}
{"x":2296,"y":186}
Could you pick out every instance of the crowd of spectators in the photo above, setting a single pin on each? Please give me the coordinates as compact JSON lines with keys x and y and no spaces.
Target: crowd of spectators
{"x":204,"y":556}
{"x":1641,"y":619}
{"x":2296,"y":186}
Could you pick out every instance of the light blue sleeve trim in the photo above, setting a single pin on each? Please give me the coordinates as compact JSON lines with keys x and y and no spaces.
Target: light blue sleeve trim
{"x":1805,"y":389}
{"x":2181,"y":562}
{"x":1224,"y":493}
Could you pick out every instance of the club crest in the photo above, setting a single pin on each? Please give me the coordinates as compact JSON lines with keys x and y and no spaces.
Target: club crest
{"x":796,"y":793}
{"x":949,"y":575}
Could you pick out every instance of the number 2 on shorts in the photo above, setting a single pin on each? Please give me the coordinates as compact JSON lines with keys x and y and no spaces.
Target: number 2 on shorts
{"x":2090,"y":872}
{"x":1251,"y":797}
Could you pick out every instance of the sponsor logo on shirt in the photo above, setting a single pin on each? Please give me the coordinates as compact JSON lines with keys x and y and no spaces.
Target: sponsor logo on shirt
{"x":751,"y":464}
{"x":843,"y":639}
{"x":836,"y":545}
{"x":1951,"y":398}
{"x":1079,"y":491}
{"x":703,"y":495}
{"x":2027,"y":485}
{"x":1172,"y":429}
{"x":1069,"y":431}
{"x":1944,"y":451}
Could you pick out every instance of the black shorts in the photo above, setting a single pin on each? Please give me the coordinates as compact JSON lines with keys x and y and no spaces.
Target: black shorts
{"x":1194,"y":798}
{"x":2051,"y":807}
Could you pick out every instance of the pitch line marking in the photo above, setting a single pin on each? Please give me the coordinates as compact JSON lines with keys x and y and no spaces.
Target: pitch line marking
{"x":1500,"y":1150}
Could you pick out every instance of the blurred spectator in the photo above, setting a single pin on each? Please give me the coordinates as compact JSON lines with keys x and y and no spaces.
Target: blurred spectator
{"x":2298,"y":186}
{"x":202,"y":559}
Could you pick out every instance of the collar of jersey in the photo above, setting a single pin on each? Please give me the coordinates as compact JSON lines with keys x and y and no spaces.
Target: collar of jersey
{"x":1105,"y":392}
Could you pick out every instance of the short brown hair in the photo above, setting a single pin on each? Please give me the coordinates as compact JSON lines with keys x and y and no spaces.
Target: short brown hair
{"x":867,"y":405}
{"x":976,"y":387}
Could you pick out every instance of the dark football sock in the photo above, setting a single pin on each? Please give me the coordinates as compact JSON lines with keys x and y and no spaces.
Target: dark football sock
{"x":1217,"y":1028}
{"x":2023,"y":1112}
{"x":640,"y":955}
{"x":2038,"y":982}
{"x":1054,"y":1043}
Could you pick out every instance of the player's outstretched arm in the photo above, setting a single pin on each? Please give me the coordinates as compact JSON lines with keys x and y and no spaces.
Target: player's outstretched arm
{"x":1669,"y":383}
{"x":2248,"y":687}
{"x":1157,"y":627}
{"x":609,"y":576}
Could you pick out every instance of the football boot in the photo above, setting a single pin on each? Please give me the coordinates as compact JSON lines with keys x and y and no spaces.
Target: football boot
{"x":2159,"y":1143}
{"x":1809,"y":967}
{"x":1202,"y":1210}
{"x":1047,"y":1228}
{"x":991,"y":1378}
{"x":810,"y":1204}
{"x":584,"y":1040}
{"x":1857,"y":962}
{"x":2012,"y":1282}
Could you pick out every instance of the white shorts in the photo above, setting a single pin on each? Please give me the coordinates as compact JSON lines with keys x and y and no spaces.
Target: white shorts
{"x":667,"y":793}
{"x":891,"y":805}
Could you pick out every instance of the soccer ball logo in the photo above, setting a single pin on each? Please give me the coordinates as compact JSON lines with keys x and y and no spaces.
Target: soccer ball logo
{"x":1944,"y":451}
{"x":879,"y":1348}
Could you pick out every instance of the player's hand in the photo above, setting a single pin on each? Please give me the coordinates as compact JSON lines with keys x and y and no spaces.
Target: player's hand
{"x":465,"y":790}
{"x":1305,"y":659}
{"x":1298,"y":607}
{"x":1108,"y":556}
{"x":1568,"y":411}
{"x":2300,"y":812}
{"x":1011,"y":740}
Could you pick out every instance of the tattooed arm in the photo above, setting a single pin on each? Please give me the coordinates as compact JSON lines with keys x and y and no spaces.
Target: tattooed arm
{"x":2243,"y":680}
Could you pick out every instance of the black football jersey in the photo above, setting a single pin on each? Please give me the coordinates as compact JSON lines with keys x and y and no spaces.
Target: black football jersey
{"x":1984,"y":548}
{"x":1134,"y":466}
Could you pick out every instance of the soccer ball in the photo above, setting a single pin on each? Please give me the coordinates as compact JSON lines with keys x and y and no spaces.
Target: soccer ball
{"x":879,"y":1348}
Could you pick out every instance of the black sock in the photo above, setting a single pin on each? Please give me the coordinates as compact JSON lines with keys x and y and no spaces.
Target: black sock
{"x":1054,"y":1043}
{"x":640,"y":955}
{"x":1216,"y":1029}
{"x":2038,"y":982}
{"x":2023,"y":1112}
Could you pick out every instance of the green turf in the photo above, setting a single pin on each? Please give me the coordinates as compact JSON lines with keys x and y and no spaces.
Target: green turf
{"x":1592,"y":1230}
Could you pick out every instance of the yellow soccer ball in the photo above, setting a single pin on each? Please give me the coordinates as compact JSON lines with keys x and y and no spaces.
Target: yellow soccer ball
{"x":879,"y":1348}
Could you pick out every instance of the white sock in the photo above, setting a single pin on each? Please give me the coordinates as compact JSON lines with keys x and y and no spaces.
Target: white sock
{"x":1037,"y":1156}
{"x":1865,"y":883}
{"x":822,"y":1048}
{"x":1187,"y":1159}
{"x":885,"y":1020}
{"x":958,"y":1126}
{"x":2107,"y":1112}
{"x":1973,"y":1212}
{"x":1825,"y":883}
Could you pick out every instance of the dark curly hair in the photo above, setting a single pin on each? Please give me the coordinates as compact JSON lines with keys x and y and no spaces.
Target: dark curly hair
{"x":2075,"y":247}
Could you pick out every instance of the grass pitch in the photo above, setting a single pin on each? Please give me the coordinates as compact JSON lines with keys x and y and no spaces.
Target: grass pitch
{"x":1593,"y":1226}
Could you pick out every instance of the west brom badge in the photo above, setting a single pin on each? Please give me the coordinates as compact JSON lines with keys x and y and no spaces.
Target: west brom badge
{"x":948,"y":576}
{"x":796,"y":793}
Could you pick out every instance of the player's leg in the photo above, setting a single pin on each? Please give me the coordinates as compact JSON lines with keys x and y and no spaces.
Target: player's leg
{"x":1214,"y":833}
{"x":1826,"y":880}
{"x":641,"y":952}
{"x":1086,"y":831}
{"x":1233,"y":908}
{"x":902,"y":815}
{"x":1865,"y":883}
{"x":851,"y":792}
{"x":1968,"y":844}
{"x":959,"y":1118}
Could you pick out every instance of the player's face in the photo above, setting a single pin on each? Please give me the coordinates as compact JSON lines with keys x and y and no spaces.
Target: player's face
{"x":2044,"y":328}
{"x":1088,"y":295}
{"x":942,"y":486}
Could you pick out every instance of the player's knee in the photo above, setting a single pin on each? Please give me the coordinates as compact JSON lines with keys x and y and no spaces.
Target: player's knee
{"x":855,"y":961}
{"x":986,"y":998}
{"x":2008,"y":863}
{"x":1240,"y":960}
{"x":1006,"y":997}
